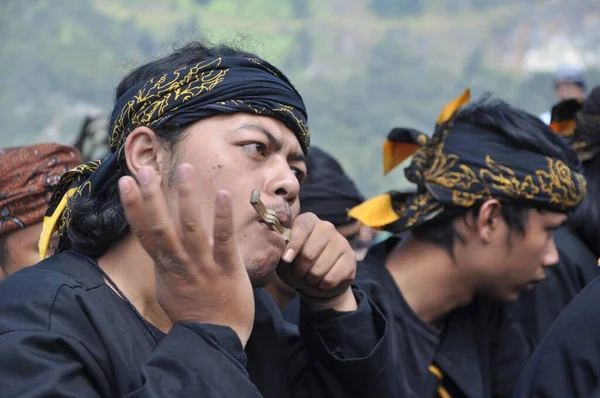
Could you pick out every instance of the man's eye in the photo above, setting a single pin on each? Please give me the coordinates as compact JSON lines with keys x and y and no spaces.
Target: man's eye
{"x":299,"y":174}
{"x":256,"y":148}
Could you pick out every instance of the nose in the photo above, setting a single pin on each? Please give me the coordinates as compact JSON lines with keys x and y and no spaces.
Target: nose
{"x":551,"y":256}
{"x":282,"y":181}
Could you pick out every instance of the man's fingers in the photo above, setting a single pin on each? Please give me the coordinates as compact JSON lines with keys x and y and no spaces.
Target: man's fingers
{"x":131,"y":198}
{"x":302,"y":227}
{"x":322,"y":266}
{"x":311,"y":252}
{"x":193,"y":232}
{"x":225,"y":250}
{"x":340,"y":276}
{"x":160,"y":224}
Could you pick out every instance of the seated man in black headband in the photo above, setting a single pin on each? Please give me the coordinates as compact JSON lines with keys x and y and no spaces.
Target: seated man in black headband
{"x":494,"y":183}
{"x":150,"y":293}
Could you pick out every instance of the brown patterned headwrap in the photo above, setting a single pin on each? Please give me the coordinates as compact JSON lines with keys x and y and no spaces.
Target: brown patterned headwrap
{"x":28,"y":176}
{"x":464,"y":164}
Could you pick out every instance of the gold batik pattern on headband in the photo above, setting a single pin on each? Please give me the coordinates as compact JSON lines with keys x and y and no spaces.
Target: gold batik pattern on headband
{"x":157,"y":94}
{"x":60,"y":220}
{"x":564,"y":188}
{"x":446,"y":180}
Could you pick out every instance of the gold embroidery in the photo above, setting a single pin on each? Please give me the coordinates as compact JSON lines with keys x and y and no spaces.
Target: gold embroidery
{"x":564,"y":187}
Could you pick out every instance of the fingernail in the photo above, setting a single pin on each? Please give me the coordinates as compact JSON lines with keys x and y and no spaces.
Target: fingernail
{"x":123,"y":186}
{"x":144,"y":176}
{"x":185,"y":172}
{"x":222,"y":197}
{"x":288,"y":256}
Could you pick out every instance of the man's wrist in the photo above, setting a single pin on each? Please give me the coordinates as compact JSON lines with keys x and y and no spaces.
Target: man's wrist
{"x":345,"y":302}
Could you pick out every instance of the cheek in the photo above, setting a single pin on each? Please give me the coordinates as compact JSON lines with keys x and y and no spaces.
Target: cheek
{"x":295,"y":208}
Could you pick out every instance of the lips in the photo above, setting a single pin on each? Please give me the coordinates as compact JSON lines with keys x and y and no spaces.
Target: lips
{"x":284,"y":218}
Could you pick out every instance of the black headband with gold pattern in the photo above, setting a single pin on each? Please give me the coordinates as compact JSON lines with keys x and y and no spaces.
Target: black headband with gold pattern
{"x":194,"y":92}
{"x":463,"y":164}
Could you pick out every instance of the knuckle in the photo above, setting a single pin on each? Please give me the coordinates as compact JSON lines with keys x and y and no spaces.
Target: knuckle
{"x":328,"y":282}
{"x":309,"y":255}
{"x":159,"y":231}
{"x":222,"y":236}
{"x":307,"y":219}
{"x":328,"y":227}
{"x":189,"y":226}
{"x":139,"y":232}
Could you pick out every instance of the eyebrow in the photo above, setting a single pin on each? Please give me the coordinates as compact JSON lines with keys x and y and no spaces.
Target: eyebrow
{"x":554,"y":227}
{"x":295,"y":157}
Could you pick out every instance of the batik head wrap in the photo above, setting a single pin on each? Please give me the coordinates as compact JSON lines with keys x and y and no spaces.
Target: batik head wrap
{"x":28,"y":176}
{"x":212,"y":87}
{"x":463,"y":164}
{"x":327,"y":191}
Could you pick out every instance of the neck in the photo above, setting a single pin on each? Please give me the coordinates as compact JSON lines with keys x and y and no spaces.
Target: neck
{"x":132,"y":270}
{"x":429,"y":279}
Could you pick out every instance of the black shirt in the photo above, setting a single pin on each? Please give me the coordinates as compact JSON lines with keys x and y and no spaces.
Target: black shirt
{"x":566,"y":363}
{"x":478,"y":351}
{"x":537,"y":309}
{"x":64,"y":332}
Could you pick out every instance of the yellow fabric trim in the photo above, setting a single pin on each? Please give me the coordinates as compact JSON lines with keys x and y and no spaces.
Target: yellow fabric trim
{"x":376,"y":212}
{"x":438,"y":373}
{"x":395,"y":153}
{"x":50,"y":224}
{"x":454,"y":105}
{"x":442,"y":392}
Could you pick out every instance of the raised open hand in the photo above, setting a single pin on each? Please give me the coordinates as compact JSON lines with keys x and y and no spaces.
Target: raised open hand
{"x":199,"y":277}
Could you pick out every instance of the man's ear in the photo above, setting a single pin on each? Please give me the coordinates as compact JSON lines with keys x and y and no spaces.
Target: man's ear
{"x":142,"y":148}
{"x":489,"y":219}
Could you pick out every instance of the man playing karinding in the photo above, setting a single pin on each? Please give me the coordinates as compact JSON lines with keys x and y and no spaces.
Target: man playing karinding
{"x":28,"y":175}
{"x":493,"y":184}
{"x":151,"y":290}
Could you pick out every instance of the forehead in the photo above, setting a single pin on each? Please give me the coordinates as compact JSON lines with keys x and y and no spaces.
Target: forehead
{"x":238,"y":124}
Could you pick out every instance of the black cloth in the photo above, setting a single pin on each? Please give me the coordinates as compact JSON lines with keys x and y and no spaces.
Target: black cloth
{"x":64,"y":332}
{"x":566,"y":363}
{"x":537,"y":309}
{"x":479,"y":349}
{"x":327,"y":191}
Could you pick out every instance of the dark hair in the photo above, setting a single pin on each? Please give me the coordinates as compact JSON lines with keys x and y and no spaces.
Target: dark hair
{"x":442,"y":230}
{"x":586,"y":219}
{"x":524,"y":130}
{"x":99,"y":221}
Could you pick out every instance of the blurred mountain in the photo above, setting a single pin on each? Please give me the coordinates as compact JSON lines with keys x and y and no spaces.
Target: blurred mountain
{"x":363,"y":66}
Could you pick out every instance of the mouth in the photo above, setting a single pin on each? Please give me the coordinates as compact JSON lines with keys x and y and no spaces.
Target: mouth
{"x":274,"y":233}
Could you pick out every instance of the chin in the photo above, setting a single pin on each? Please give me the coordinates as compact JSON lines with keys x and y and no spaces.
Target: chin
{"x":262,"y":273}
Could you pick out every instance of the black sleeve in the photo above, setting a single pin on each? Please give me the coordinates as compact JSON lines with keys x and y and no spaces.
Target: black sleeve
{"x":567,"y":361}
{"x":510,"y":350}
{"x":349,"y":353}
{"x":193,"y":360}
